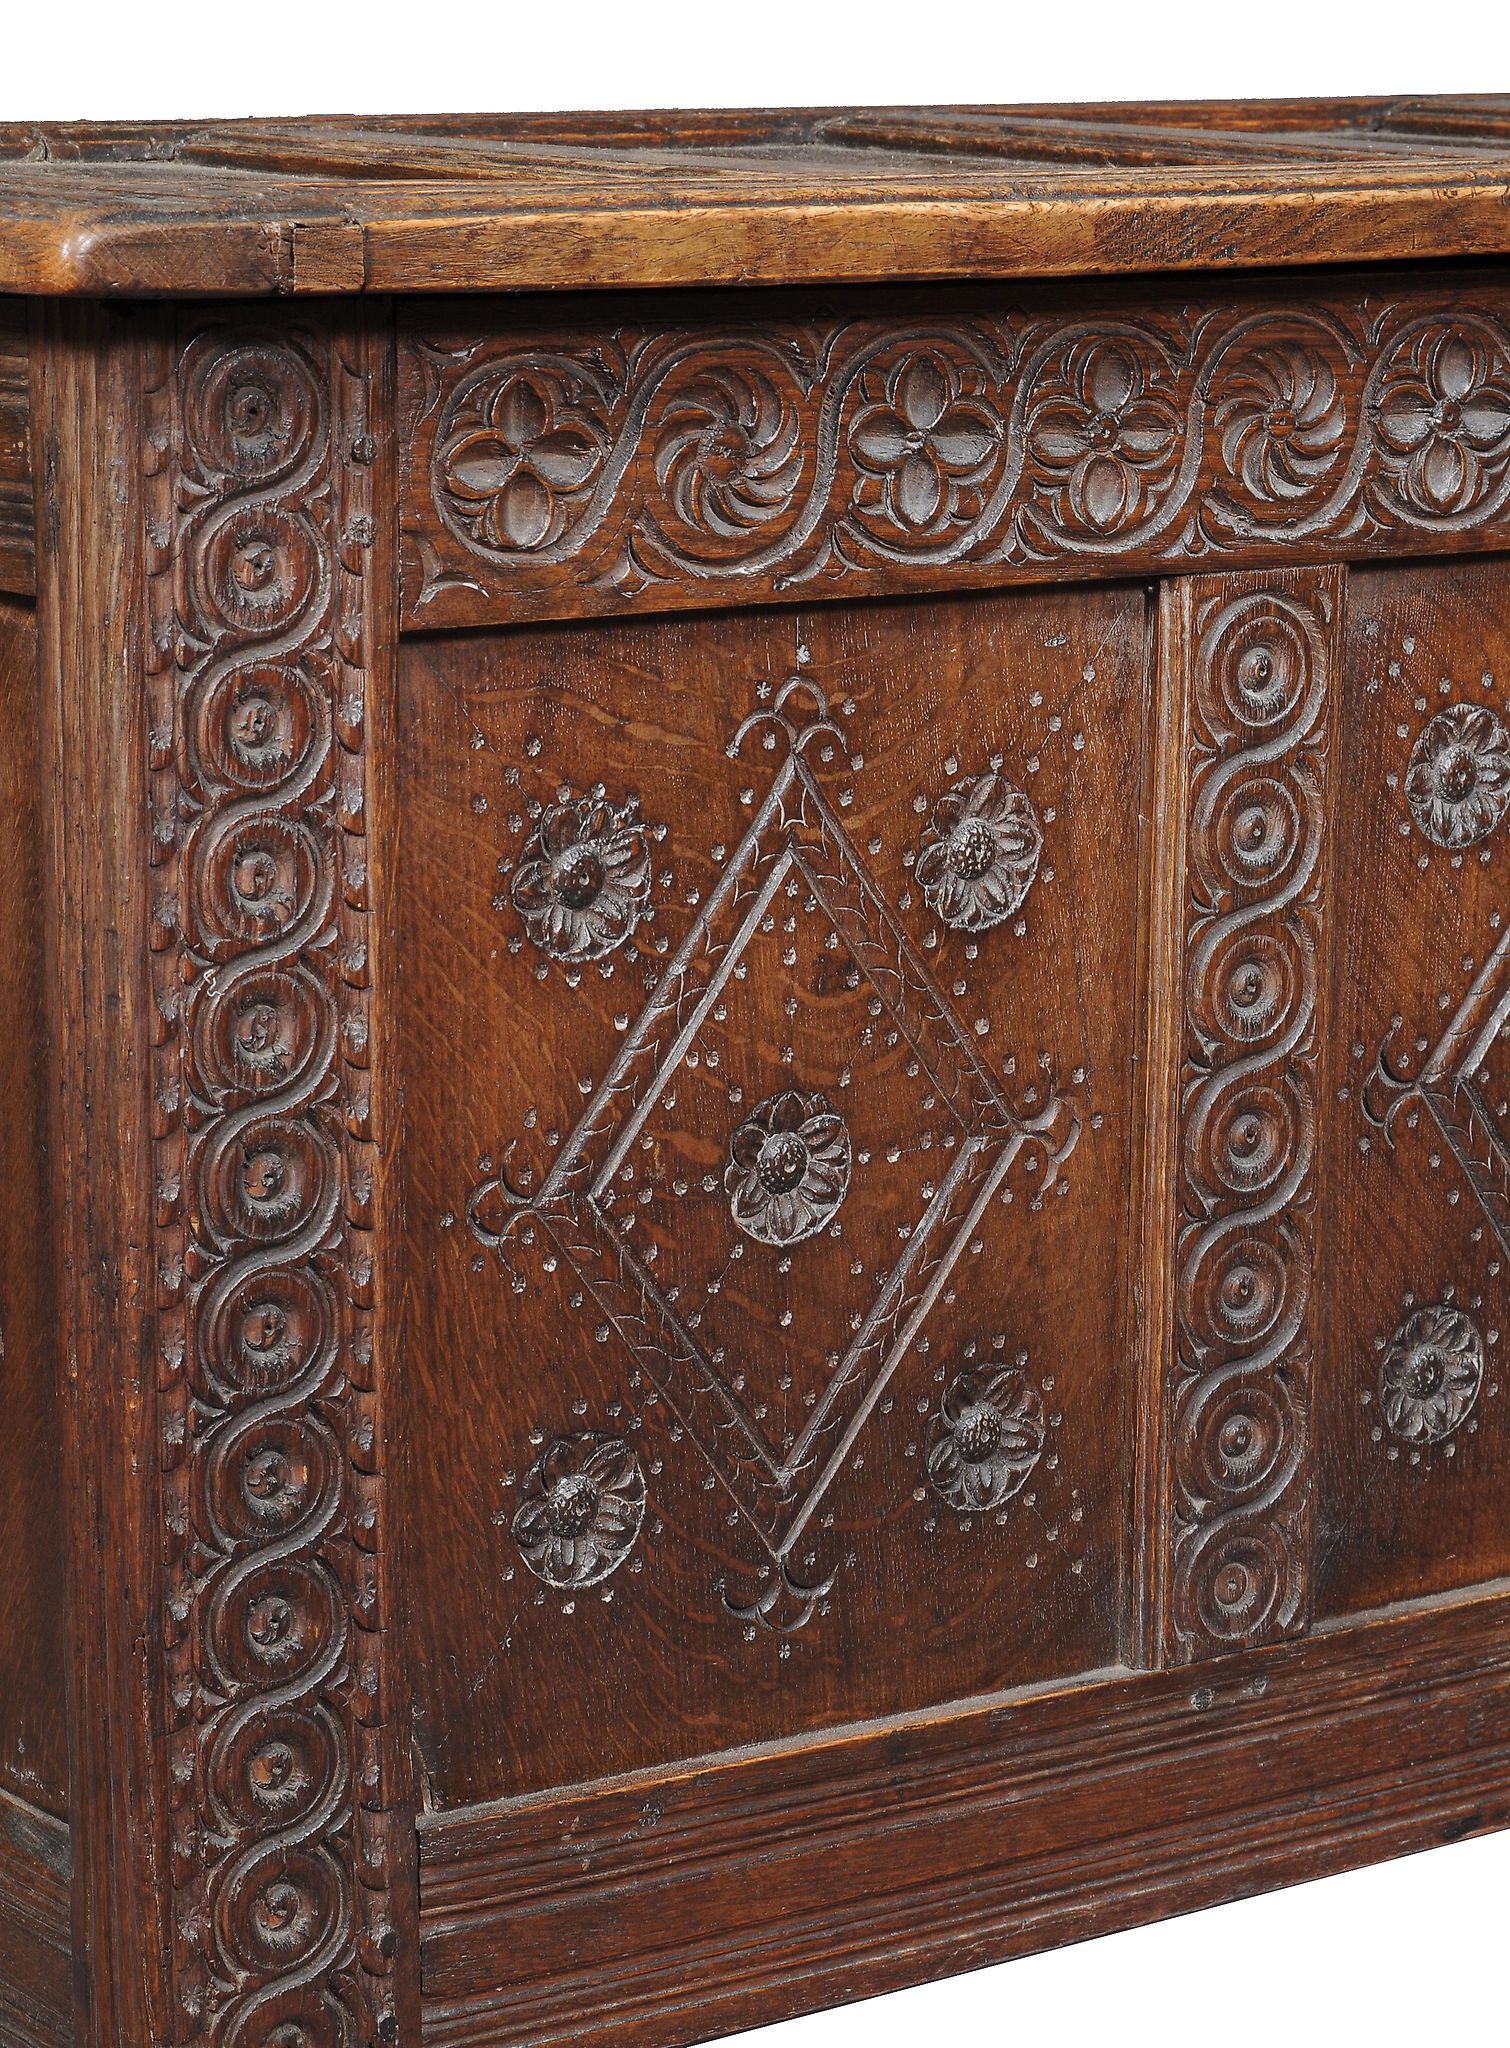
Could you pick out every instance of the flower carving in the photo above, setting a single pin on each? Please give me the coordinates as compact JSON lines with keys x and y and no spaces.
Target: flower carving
{"x":923,"y":447}
{"x":513,"y":473}
{"x":979,"y":853}
{"x":1113,"y":445}
{"x":583,"y":881}
{"x":1458,"y":781}
{"x":1430,"y":1375}
{"x":1281,"y":422}
{"x":583,"y":1506}
{"x":985,"y":1439}
{"x":729,"y":455}
{"x":1443,"y":417}
{"x":788,"y":1168}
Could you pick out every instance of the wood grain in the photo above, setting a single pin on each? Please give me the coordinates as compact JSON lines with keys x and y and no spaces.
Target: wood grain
{"x":754,"y":1225}
{"x":667,"y":1907}
{"x":36,"y":1991}
{"x":826,"y":195}
{"x":88,"y":442}
{"x":17,"y":549}
{"x":34,"y":1641}
{"x":811,"y":1551}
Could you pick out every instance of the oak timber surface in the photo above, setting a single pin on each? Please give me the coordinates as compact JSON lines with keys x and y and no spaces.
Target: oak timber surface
{"x":477,"y":203}
{"x":966,"y":1231}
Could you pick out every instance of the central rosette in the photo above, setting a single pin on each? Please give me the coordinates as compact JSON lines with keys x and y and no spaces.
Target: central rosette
{"x":788,"y":1168}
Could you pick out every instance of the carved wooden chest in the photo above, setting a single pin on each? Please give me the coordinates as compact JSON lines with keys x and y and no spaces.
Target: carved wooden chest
{"x":756,"y":889}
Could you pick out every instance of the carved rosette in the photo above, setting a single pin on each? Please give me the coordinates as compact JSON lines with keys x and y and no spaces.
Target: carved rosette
{"x":582,"y":1505}
{"x":986,"y":1437}
{"x":1430,"y":1374}
{"x":1238,"y":1481}
{"x":1458,"y":780}
{"x":259,"y":531}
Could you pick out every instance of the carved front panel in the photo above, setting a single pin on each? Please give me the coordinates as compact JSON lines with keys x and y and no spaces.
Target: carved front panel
{"x":1415,"y":1483}
{"x":769,"y":1097}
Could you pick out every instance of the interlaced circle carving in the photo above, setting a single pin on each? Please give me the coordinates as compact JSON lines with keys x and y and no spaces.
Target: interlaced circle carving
{"x":259,"y":527}
{"x":1260,"y":677}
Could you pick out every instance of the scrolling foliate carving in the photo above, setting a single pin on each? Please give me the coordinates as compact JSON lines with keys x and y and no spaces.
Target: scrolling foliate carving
{"x":260,"y":528}
{"x":562,"y":469}
{"x":1260,"y":665}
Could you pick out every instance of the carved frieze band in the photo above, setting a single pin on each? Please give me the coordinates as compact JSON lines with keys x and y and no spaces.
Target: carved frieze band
{"x":554,"y":469}
{"x":1259,"y":663}
{"x":259,"y":533}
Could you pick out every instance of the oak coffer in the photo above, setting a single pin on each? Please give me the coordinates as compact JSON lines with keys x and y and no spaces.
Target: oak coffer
{"x":755,"y":882}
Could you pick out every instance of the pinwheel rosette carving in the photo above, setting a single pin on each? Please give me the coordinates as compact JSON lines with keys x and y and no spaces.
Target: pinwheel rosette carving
{"x":730,"y":455}
{"x":1281,"y":423}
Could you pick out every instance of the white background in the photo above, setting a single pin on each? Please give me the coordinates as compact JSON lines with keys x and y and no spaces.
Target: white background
{"x":1406,"y":1953}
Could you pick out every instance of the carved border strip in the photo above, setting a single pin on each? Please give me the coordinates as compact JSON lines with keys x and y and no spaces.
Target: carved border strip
{"x":1234,"y":1564}
{"x":554,"y":469}
{"x":259,"y":538}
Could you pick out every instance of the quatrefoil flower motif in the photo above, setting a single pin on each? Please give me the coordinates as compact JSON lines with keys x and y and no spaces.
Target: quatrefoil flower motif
{"x":924,"y":442}
{"x":1430,"y":1375}
{"x":985,"y":1439}
{"x":1458,"y":781}
{"x":583,"y":883}
{"x":788,"y":1169}
{"x":582,"y":1508}
{"x":979,"y":853}
{"x":1445,"y":422}
{"x":1093,"y":422}
{"x":512,"y":476}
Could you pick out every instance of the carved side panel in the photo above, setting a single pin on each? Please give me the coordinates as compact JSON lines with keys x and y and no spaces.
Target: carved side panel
{"x":557,"y":464}
{"x":1414,"y":1454}
{"x":265,"y":615}
{"x":1255,"y":660}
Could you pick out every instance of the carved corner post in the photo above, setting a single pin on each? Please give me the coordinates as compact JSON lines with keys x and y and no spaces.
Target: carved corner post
{"x":1248,"y":666}
{"x":217,"y":626}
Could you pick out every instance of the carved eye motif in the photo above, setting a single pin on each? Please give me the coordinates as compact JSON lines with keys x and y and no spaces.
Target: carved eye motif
{"x":1430,"y":1375}
{"x":583,"y":883}
{"x":583,"y":1506}
{"x":979,"y":853}
{"x":788,"y":1170}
